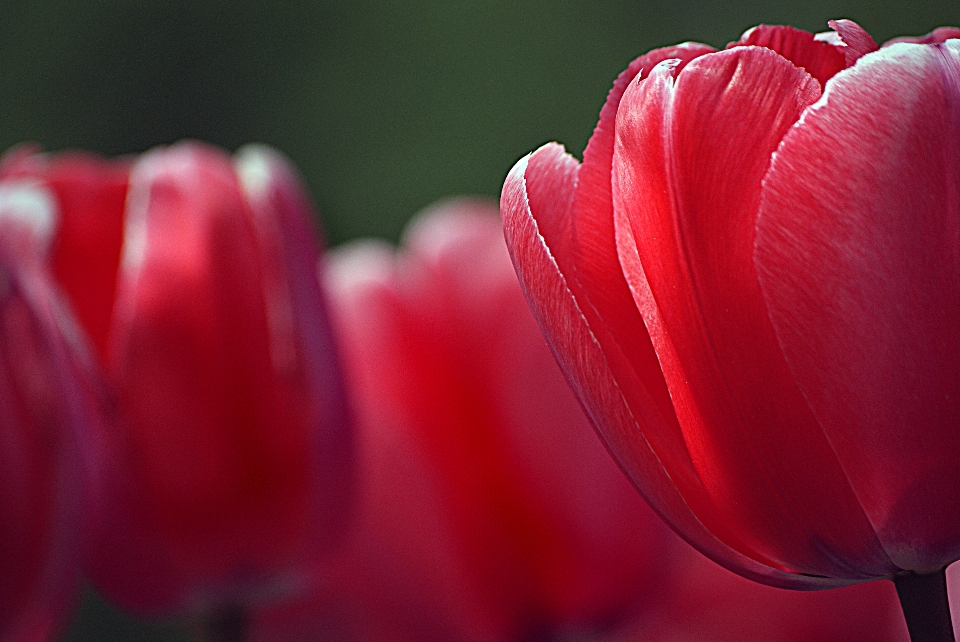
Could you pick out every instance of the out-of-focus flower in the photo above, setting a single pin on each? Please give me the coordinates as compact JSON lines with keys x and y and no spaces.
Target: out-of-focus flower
{"x":752,"y":282}
{"x":47,"y":402}
{"x":488,"y":508}
{"x":226,"y":472}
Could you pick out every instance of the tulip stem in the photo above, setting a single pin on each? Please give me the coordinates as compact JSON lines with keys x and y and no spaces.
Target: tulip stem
{"x":224,"y":625}
{"x":925,"y":606}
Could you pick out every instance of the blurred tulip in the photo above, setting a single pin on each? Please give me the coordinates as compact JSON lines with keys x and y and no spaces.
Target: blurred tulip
{"x":751,"y":282}
{"x":488,"y":509}
{"x":47,"y":397}
{"x":227,"y":471}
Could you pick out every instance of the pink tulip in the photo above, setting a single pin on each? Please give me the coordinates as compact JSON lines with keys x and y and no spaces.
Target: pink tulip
{"x":48,"y":401}
{"x":225,"y":475}
{"x":488,"y":509}
{"x":752,"y":283}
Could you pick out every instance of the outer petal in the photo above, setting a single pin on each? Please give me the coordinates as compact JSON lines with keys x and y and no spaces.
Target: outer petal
{"x":858,"y":42}
{"x":687,"y":171}
{"x":549,"y":176}
{"x":302,"y":348}
{"x":90,"y":195}
{"x":820,"y":59}
{"x":586,"y":250}
{"x":858,"y":251}
{"x":44,"y":411}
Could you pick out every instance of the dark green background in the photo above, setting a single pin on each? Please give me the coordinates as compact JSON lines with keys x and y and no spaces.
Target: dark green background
{"x":385,"y":106}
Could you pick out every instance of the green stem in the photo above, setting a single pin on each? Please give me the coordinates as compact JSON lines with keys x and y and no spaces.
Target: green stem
{"x":225,"y":625}
{"x":925,"y":606}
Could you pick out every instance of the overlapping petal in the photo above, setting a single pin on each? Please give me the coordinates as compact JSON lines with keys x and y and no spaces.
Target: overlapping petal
{"x":582,"y":359}
{"x":859,"y":237}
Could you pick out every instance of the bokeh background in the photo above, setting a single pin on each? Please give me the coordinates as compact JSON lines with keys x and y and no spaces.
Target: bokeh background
{"x":385,"y":106}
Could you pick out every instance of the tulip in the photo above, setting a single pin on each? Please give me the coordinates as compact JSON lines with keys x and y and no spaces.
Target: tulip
{"x":750,"y":282}
{"x":225,"y":474}
{"x":48,"y":400}
{"x":487,"y":507}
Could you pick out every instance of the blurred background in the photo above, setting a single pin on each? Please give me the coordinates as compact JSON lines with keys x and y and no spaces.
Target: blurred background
{"x":385,"y":106}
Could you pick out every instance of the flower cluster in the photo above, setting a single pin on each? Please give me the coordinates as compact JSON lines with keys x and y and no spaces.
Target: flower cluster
{"x":750,"y":288}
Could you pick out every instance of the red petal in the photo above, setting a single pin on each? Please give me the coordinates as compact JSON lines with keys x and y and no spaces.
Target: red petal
{"x":858,"y":41}
{"x":92,"y":195}
{"x":858,"y":251}
{"x":580,"y":356}
{"x":302,"y":349}
{"x":588,"y":259}
{"x":43,"y":421}
{"x":821,"y":59}
{"x":687,"y":170}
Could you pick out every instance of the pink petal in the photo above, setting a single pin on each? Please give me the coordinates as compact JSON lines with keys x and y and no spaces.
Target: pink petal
{"x":858,"y":252}
{"x":687,"y":171}
{"x":820,"y":59}
{"x":938,"y":35}
{"x":587,"y":368}
{"x":858,"y":41}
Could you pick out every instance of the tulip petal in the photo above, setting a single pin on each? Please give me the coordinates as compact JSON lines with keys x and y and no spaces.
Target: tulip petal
{"x":938,"y":35}
{"x":302,"y":349}
{"x":591,"y":263}
{"x":585,"y":364}
{"x":749,"y":430}
{"x":858,"y":253}
{"x":586,"y":254}
{"x":820,"y":59}
{"x":858,"y":41}
{"x":41,"y":436}
{"x":92,"y":195}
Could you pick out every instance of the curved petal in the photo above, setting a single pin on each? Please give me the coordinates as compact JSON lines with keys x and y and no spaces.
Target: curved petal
{"x":858,"y":42}
{"x":591,"y":264}
{"x":687,"y":171}
{"x":90,"y":194}
{"x":45,"y":415}
{"x":580,"y":356}
{"x":587,"y":257}
{"x":858,"y":252}
{"x":301,"y":341}
{"x":938,"y":35}
{"x":820,"y":59}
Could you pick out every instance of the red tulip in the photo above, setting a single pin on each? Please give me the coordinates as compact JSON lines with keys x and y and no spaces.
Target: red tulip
{"x":752,"y":282}
{"x":225,"y":474}
{"x":488,"y":509}
{"x":47,"y":401}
